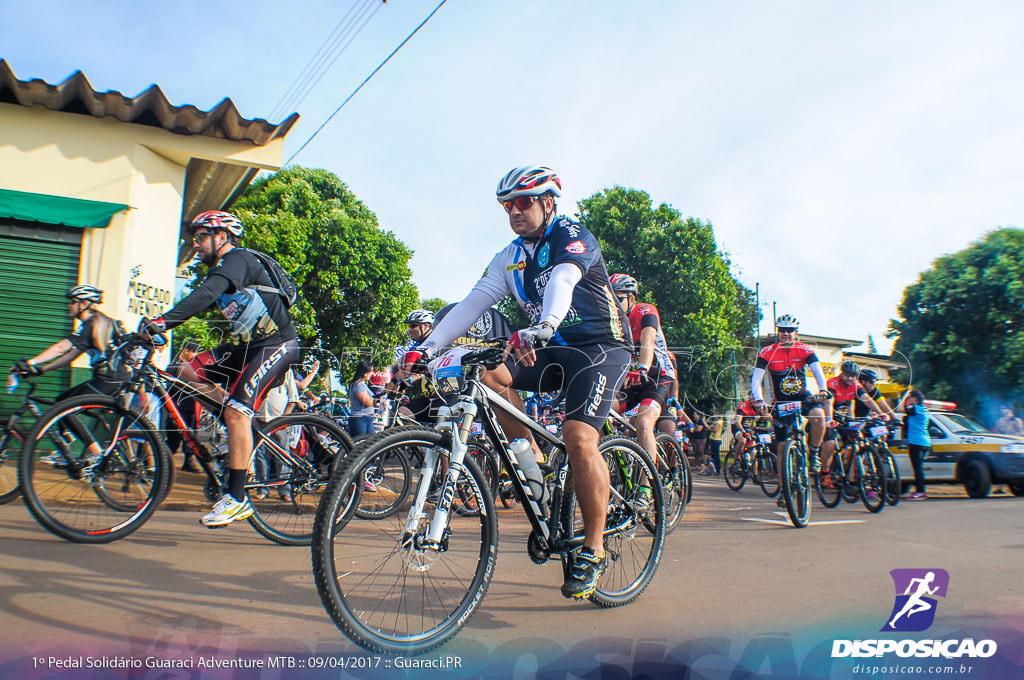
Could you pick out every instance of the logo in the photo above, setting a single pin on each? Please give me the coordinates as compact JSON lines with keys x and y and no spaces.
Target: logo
{"x":914,"y":609}
{"x":791,"y":383}
{"x":520,"y":266}
{"x":482,"y":327}
{"x":544,"y":255}
{"x":576,"y":248}
{"x":595,"y":400}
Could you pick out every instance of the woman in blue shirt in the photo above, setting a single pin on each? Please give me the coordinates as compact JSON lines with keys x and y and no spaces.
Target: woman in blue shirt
{"x":918,"y":438}
{"x":360,"y":397}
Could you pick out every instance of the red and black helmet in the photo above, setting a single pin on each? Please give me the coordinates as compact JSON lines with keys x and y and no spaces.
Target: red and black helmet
{"x":218,"y":219}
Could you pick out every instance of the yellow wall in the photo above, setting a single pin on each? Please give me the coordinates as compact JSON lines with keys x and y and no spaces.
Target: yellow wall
{"x":103,"y":159}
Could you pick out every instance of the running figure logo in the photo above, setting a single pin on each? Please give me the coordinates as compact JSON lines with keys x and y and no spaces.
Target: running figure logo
{"x":914,"y":609}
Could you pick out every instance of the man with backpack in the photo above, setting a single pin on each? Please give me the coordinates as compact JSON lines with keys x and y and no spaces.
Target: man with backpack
{"x":253,"y":294}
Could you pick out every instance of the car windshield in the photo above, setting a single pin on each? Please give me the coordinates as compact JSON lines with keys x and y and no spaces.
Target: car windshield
{"x":961,"y":424}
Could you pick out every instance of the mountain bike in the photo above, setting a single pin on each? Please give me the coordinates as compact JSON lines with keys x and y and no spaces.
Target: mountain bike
{"x":857,"y":469}
{"x":62,"y":474}
{"x":756,"y":462}
{"x":407,"y":584}
{"x":12,"y":436}
{"x":792,"y":448}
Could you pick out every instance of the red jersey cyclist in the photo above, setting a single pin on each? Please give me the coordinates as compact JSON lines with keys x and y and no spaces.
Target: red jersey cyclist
{"x":845,"y":390}
{"x":785,"y":361}
{"x":649,"y":385}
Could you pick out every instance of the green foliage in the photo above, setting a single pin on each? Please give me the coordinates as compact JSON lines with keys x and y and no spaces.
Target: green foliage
{"x":960,"y":325}
{"x":707,"y":315}
{"x":509,"y":306}
{"x":433,"y":304}
{"x":353,"y":276}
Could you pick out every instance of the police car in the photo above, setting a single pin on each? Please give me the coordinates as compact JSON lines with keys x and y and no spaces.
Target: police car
{"x":964,"y":452}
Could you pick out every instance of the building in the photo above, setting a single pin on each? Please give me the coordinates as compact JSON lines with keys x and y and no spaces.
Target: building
{"x":96,"y":187}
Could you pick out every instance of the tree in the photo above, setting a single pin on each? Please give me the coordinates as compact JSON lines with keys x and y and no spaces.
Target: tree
{"x":707,"y":315}
{"x":960,"y":325}
{"x":433,"y":304}
{"x":353,"y":276}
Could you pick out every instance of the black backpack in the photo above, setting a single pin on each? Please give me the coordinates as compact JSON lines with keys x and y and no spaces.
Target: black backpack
{"x":283,"y":284}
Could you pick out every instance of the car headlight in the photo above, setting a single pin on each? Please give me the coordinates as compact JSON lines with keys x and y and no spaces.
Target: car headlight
{"x":1012,"y":448}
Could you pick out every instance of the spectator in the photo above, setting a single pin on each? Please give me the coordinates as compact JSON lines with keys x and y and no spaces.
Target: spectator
{"x":714,"y":445}
{"x":699,"y":441}
{"x":918,"y":439}
{"x":360,"y":419}
{"x":279,"y":401}
{"x":1010,"y":423}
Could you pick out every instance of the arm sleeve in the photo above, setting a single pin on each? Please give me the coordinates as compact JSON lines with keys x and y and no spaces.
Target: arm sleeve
{"x":755,"y":384}
{"x":819,"y":377}
{"x":558,"y":294}
{"x":202,"y":297}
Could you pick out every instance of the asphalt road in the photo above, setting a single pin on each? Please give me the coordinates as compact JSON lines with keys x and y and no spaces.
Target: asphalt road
{"x":734,"y":572}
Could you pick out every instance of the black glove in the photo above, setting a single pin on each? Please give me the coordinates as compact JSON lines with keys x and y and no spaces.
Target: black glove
{"x":22,"y":366}
{"x":155,"y":326}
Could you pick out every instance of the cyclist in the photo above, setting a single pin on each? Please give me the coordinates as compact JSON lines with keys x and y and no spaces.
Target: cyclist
{"x":785,"y":362}
{"x":555,"y":270}
{"x":95,"y":337}
{"x":263,"y":344}
{"x":649,"y":384}
{"x":845,"y":391}
{"x":867,"y":379}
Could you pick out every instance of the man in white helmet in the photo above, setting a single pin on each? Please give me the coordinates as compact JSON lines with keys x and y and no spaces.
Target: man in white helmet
{"x":555,"y":270}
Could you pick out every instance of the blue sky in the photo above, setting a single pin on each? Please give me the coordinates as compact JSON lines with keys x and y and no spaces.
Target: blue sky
{"x":837,"y":148}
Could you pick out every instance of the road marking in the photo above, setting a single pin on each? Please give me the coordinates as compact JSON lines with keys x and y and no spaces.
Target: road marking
{"x":813,"y":524}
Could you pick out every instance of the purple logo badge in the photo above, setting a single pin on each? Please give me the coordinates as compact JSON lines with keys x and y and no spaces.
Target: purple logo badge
{"x":916,"y":589}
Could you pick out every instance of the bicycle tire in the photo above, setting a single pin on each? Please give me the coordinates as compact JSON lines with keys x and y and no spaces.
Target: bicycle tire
{"x":626,"y":545}
{"x":10,"y":451}
{"x":64,"y":500}
{"x":871,"y":480}
{"x":390,"y":479}
{"x":673,"y":483}
{"x":375,"y":579}
{"x":768,"y":479}
{"x":286,"y":514}
{"x":733,"y":471}
{"x":830,"y":496}
{"x":124,"y":466}
{"x":795,"y":486}
{"x":892,"y":477}
{"x":466,"y":503}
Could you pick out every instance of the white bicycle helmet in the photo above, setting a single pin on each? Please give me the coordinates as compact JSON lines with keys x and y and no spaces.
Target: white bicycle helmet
{"x":420,"y":316}
{"x":86,"y":293}
{"x":530,"y":180}
{"x":787,"y":321}
{"x":218,"y":219}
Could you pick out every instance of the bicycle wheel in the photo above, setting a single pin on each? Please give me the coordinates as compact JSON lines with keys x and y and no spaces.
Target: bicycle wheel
{"x":671,"y":470}
{"x":386,"y":486}
{"x":90,"y":498}
{"x":829,"y":484}
{"x":872,"y":479}
{"x":734,"y":470}
{"x":380,"y":581}
{"x":284,"y":495}
{"x":11,"y":443}
{"x":768,"y":475}
{"x":892,"y":477}
{"x":795,"y":485}
{"x":634,"y":526}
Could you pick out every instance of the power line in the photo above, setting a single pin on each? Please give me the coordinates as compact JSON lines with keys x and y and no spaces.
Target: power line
{"x":328,"y":50}
{"x":366,"y":80}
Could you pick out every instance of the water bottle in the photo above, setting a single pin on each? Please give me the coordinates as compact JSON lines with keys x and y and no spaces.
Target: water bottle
{"x":524,"y":455}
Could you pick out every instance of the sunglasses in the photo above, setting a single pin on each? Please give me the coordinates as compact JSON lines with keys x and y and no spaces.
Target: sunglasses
{"x":522,"y":203}
{"x":200,"y":235}
{"x":786,"y":330}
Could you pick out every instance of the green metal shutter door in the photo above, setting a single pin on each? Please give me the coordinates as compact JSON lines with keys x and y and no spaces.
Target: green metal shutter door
{"x":35,"y":276}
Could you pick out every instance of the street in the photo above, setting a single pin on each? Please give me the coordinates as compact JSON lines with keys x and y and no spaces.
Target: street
{"x":734,"y":574}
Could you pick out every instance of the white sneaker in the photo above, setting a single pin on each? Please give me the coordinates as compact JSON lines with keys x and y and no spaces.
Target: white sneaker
{"x":226,"y":511}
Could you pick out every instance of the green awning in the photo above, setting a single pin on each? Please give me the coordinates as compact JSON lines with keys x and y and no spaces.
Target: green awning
{"x":71,"y":212}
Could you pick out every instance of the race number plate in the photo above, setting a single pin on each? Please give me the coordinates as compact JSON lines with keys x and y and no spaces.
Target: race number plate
{"x":878,"y":431}
{"x":764,"y":438}
{"x":786,"y":408}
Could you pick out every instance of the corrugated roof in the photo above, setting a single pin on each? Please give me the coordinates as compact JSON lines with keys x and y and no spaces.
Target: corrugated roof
{"x":76,"y":95}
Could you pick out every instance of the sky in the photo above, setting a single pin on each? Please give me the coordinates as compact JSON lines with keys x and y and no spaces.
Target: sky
{"x":838,"y":149}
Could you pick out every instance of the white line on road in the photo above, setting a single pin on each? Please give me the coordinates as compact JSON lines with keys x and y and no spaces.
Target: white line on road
{"x":786,"y":522}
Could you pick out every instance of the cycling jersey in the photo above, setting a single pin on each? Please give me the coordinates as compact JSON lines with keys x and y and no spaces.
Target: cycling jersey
{"x":860,"y":409}
{"x":491,"y":325}
{"x":254,"y":316}
{"x":645,"y":315}
{"x":524,"y":269}
{"x":842,"y":393}
{"x":786,"y":365}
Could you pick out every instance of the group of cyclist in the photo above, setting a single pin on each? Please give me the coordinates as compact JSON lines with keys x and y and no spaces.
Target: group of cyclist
{"x":589,"y":340}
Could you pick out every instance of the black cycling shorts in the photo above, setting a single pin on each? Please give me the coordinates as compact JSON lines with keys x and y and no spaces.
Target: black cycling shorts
{"x":246,"y":371}
{"x":805,"y":409}
{"x":637,"y":394}
{"x":590,"y":376}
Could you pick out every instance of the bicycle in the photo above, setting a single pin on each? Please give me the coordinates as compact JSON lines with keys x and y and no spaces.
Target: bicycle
{"x":756,"y":462}
{"x":13,"y":437}
{"x":858,"y":456}
{"x":792,"y":447}
{"x":411,"y":585}
{"x":673,"y":468}
{"x":300,"y":450}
